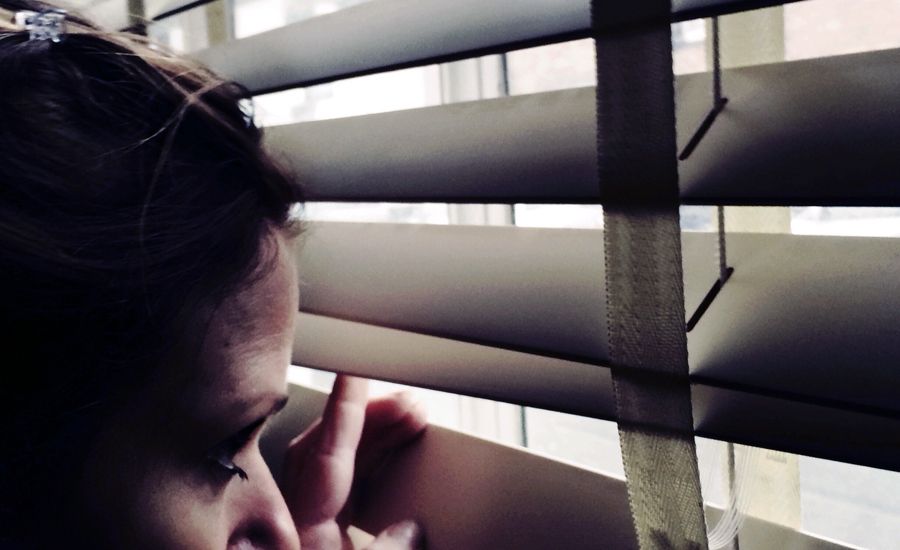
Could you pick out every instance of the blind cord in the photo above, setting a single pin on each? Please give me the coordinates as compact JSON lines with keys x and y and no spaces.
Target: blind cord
{"x":724,"y":270}
{"x":742,"y":487}
{"x":719,"y":101}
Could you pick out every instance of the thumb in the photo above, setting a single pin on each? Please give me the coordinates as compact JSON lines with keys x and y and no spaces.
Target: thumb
{"x":405,"y":535}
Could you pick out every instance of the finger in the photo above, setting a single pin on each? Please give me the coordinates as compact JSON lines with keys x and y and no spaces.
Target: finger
{"x":321,"y":462}
{"x":298,"y":450}
{"x":398,"y":408}
{"x":344,"y":415}
{"x":406,"y":535}
{"x":391,"y":422}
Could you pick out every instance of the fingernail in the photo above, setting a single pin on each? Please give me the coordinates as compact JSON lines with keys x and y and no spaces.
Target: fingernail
{"x":407,"y":531}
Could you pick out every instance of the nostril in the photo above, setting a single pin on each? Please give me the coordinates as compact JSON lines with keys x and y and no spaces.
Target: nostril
{"x":242,"y":544}
{"x":252,"y":537}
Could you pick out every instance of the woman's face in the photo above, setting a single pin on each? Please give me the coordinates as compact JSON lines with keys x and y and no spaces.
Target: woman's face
{"x":169,"y":471}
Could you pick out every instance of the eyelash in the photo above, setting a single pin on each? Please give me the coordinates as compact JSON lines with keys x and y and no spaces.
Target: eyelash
{"x":221,"y":457}
{"x":225,"y":461}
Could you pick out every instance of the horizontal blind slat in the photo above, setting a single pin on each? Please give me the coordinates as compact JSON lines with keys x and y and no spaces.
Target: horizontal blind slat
{"x":410,"y":32}
{"x":532,"y":290}
{"x":741,"y":415}
{"x":523,"y":289}
{"x":453,"y":366}
{"x":819,"y":131}
{"x":748,"y":417}
{"x":806,"y":316}
{"x":463,"y":308}
{"x":535,"y":148}
{"x":417,"y":32}
{"x":816,"y":131}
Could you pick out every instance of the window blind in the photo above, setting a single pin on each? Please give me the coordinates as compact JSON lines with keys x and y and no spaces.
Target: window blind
{"x":801,"y":132}
{"x":792,"y":332}
{"x":793,"y":353}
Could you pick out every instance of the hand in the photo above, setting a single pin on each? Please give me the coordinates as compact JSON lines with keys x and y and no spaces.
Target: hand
{"x":319,"y":465}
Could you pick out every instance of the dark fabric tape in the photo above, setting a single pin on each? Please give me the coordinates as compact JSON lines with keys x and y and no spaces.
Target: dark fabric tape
{"x":644,"y":287}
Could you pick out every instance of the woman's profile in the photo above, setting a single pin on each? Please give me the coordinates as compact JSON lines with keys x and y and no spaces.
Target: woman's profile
{"x":150,"y":295}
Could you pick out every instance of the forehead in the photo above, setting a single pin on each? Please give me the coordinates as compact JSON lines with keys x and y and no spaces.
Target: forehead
{"x":247,"y":343}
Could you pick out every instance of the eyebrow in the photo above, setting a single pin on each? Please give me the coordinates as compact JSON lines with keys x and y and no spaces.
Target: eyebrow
{"x":276,"y":408}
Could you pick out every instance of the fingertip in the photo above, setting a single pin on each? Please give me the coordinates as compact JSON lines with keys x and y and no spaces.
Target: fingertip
{"x":405,"y":398}
{"x":350,"y":388}
{"x":413,"y":411}
{"x":403,"y":535}
{"x":419,"y":415}
{"x":405,"y":531}
{"x":402,"y":410}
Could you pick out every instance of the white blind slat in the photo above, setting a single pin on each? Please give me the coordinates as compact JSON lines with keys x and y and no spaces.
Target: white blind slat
{"x":816,"y":131}
{"x":792,"y":330}
{"x":418,"y":32}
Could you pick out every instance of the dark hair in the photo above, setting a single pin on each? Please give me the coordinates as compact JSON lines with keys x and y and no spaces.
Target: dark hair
{"x":133,"y":191}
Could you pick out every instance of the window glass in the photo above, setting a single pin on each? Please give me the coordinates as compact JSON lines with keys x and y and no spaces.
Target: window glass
{"x":587,"y":442}
{"x":432,"y":213}
{"x":377,"y":93}
{"x":559,"y":215}
{"x":851,"y":504}
{"x":689,"y":46}
{"x":571,"y":64}
{"x":552,"y":67}
{"x":693,"y":218}
{"x":817,"y":28}
{"x":190,"y":31}
{"x":847,"y":221}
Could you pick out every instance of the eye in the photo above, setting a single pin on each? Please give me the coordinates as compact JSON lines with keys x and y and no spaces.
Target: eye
{"x":224,"y":462}
{"x":221,"y":457}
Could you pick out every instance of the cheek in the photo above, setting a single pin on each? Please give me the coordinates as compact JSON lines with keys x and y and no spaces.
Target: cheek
{"x":174,"y":511}
{"x":137,"y":498}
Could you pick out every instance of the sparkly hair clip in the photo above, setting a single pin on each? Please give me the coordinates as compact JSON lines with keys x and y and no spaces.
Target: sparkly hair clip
{"x":47,"y":24}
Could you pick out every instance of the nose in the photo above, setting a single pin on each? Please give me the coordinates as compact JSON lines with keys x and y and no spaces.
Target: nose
{"x":260,"y":517}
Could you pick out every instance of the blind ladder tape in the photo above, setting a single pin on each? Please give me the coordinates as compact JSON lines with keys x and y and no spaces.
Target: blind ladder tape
{"x":645,"y":296}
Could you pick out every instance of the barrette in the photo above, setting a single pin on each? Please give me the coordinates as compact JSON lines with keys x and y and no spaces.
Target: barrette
{"x":47,"y":24}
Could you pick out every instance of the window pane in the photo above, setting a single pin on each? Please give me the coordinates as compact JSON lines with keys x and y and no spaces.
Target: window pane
{"x":192,"y":30}
{"x":848,"y":221}
{"x":559,"y":215}
{"x":818,"y":28}
{"x":850,"y":503}
{"x":433,"y":213}
{"x":571,"y":64}
{"x":588,"y":442}
{"x":847,"y":503}
{"x":377,"y":93}
{"x":553,"y":67}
